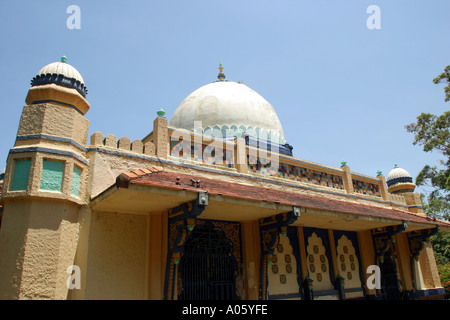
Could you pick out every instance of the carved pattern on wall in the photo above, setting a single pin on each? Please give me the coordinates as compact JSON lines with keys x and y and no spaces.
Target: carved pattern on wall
{"x":348,"y":266}
{"x":318,"y":262}
{"x":417,"y":238}
{"x":270,"y":231}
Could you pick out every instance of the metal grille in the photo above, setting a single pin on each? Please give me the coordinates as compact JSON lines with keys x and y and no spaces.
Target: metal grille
{"x":390,"y":286}
{"x":208,"y":269}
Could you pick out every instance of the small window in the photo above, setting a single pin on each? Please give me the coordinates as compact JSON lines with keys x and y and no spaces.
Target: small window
{"x":76,"y":177}
{"x":52,"y":175}
{"x":21,"y":175}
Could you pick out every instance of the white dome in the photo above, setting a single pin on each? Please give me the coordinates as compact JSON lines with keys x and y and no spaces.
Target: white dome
{"x":398,"y":175}
{"x":62,"y":68}
{"x":225,"y":105}
{"x":61,"y":74}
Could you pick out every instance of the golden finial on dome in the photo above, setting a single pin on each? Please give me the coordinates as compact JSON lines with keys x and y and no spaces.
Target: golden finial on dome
{"x":221,"y":75}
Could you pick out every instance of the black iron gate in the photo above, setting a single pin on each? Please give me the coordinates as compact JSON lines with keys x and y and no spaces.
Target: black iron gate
{"x":390,"y":285}
{"x":208,"y":269}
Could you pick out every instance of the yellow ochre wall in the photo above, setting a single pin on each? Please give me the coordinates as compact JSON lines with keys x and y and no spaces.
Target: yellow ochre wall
{"x":122,"y":256}
{"x":117,"y":256}
{"x":39,"y":242}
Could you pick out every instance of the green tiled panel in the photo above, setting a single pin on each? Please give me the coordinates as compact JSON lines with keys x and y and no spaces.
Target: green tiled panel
{"x":75,"y":188}
{"x":21,"y":174}
{"x":52,"y":175}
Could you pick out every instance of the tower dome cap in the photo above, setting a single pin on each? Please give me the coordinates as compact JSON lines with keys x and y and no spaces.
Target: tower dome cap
{"x":60,"y":73}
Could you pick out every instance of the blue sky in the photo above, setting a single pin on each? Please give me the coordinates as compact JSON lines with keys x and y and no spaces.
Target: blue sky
{"x":341,"y":90}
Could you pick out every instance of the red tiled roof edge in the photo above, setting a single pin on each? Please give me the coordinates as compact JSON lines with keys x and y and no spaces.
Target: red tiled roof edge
{"x":182,"y":181}
{"x":124,"y":179}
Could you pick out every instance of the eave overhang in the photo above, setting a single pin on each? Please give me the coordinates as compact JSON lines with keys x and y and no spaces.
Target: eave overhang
{"x":155,"y":190}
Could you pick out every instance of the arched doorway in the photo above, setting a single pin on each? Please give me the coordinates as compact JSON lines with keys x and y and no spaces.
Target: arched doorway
{"x":208,"y":269}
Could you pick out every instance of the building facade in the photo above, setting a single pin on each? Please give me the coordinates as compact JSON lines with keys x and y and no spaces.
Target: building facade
{"x":211,"y":205}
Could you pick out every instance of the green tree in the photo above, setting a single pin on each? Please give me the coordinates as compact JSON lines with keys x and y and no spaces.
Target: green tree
{"x":432,"y":132}
{"x":441,"y":247}
{"x":444,"y":77}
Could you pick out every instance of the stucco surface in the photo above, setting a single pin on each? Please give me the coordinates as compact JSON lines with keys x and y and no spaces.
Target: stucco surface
{"x":38,"y":243}
{"x":117,"y":255}
{"x":53,"y":120}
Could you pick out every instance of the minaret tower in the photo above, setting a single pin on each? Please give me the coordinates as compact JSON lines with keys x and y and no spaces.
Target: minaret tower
{"x":45,"y":186}
{"x":400,"y":182}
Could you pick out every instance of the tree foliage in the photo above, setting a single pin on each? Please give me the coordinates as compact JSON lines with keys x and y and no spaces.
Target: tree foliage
{"x":441,"y":248}
{"x":433,"y":133}
{"x":444,"y":77}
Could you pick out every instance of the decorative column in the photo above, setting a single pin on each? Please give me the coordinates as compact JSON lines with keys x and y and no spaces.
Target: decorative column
{"x":348,"y":182}
{"x":417,"y":240}
{"x":383,"y":185}
{"x":270,"y":230}
{"x":161,"y":138}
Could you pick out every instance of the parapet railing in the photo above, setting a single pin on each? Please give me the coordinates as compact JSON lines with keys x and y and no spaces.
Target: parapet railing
{"x":123,"y":144}
{"x":192,"y":147}
{"x":234,"y":154}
